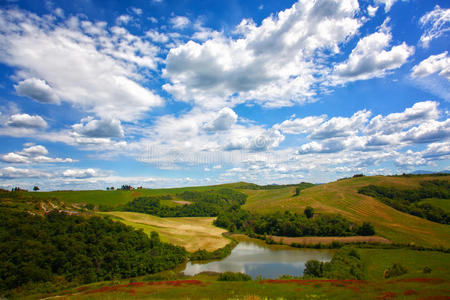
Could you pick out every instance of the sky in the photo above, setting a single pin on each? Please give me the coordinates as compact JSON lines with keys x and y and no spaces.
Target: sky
{"x":161,"y":93}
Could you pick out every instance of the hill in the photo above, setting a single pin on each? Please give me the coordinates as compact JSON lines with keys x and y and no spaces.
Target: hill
{"x":342,"y":197}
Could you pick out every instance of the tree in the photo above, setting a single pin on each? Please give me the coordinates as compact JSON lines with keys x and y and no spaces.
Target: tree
{"x":297,"y":191}
{"x":309,"y":212}
{"x":366,"y":229}
{"x":313,"y":268}
{"x":36,"y":188}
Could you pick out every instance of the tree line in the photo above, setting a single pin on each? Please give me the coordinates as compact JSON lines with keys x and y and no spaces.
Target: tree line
{"x":408,"y":201}
{"x":204,"y":204}
{"x":290,"y":224}
{"x":37,"y":248}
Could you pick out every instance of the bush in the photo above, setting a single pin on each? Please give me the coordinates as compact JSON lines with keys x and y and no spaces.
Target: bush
{"x":395,"y":270}
{"x":309,"y":212}
{"x":230,"y":276}
{"x":426,"y":270}
{"x":313,"y":268}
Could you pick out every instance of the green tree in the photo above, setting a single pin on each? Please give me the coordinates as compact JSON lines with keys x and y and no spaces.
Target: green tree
{"x":309,"y":212}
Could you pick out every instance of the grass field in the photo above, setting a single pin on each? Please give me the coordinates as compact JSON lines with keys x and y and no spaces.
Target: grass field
{"x":191,"y":233}
{"x":119,"y":197}
{"x":378,"y":260}
{"x":413,"y":285}
{"x":442,"y":203}
{"x":342,"y":197}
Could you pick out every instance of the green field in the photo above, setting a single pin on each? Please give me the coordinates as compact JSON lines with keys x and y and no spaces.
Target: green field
{"x":191,"y":233}
{"x":441,"y":203}
{"x":412,"y":285}
{"x":118,"y":197}
{"x":342,"y":197}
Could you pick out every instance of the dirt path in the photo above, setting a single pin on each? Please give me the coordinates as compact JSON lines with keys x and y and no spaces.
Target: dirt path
{"x":328,"y":240}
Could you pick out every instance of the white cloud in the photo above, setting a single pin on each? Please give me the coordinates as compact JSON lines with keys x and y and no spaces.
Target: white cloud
{"x":12,"y":172}
{"x":371,"y":10}
{"x":137,"y":11}
{"x":436,"y":24}
{"x":225,"y":119}
{"x":300,"y":125}
{"x":36,"y":89}
{"x":103,"y":63}
{"x":341,"y":127}
{"x":33,"y":154}
{"x":80,"y":173}
{"x":419,"y":113}
{"x":26,"y":121}
{"x":387,"y":4}
{"x":157,"y":37}
{"x":123,"y":19}
{"x":104,"y":128}
{"x":34,"y":150}
{"x":14,"y":158}
{"x":272,"y":64}
{"x":179,"y":22}
{"x":370,"y":58}
{"x":429,"y":132}
{"x":439,"y":63}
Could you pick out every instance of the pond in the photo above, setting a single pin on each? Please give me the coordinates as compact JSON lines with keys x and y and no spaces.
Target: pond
{"x":261,"y":260}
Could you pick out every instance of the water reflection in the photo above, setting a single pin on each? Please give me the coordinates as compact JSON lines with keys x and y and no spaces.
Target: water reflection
{"x":258,"y":260}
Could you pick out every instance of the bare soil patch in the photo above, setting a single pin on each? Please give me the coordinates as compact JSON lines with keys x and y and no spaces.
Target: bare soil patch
{"x":312,"y":240}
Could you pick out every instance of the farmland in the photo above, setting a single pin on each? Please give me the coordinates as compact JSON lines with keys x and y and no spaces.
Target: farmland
{"x":342,"y":197}
{"x":191,"y":233}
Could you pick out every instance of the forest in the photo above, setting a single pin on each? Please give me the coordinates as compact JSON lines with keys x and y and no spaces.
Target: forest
{"x":290,"y":224}
{"x":408,"y":201}
{"x":77,"y":249}
{"x":204,"y":204}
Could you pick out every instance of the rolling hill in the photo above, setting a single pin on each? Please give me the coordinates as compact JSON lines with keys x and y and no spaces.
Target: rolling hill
{"x":342,"y":197}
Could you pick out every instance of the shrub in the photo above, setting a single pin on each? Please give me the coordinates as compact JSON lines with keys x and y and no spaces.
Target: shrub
{"x":313,"y":268}
{"x":309,"y":212}
{"x":395,"y":270}
{"x":426,"y":270}
{"x":230,"y":276}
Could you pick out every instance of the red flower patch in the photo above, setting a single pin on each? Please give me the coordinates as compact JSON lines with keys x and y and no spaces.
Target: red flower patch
{"x":387,"y":295}
{"x":410,"y":292}
{"x":175,"y":282}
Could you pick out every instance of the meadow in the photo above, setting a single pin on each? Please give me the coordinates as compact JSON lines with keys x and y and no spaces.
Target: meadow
{"x":413,"y":285}
{"x":342,"y":197}
{"x":193,"y":233}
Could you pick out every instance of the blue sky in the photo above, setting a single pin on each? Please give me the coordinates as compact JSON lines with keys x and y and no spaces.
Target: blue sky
{"x":175,"y":93}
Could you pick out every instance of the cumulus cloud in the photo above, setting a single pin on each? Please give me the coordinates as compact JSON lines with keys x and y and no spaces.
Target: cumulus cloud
{"x":224,"y":120}
{"x":372,"y":10}
{"x":341,"y":127}
{"x":157,"y":37}
{"x":300,"y":125}
{"x":419,"y":113}
{"x":36,"y":89}
{"x":179,"y":22}
{"x":431,"y":131}
{"x":80,"y":173}
{"x":330,"y":146}
{"x":26,"y":121}
{"x":436,"y":23}
{"x":104,"y":128}
{"x":272,"y":64}
{"x":371,"y":58}
{"x":439,"y":63}
{"x":12,"y":172}
{"x":103,"y":63}
{"x":387,"y":4}
{"x":33,"y":154}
